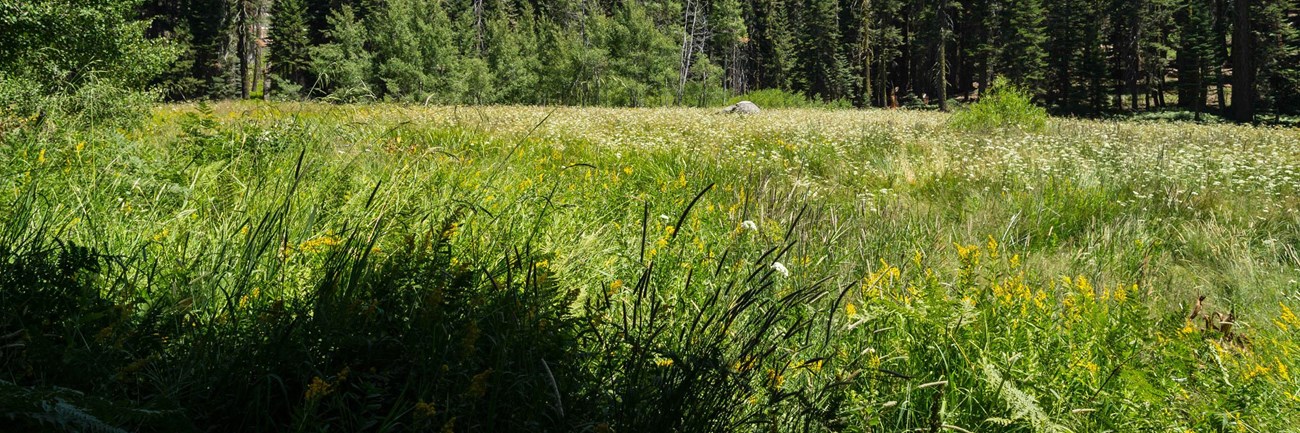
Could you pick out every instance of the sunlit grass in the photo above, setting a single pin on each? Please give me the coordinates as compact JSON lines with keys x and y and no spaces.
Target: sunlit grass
{"x":982,"y":280}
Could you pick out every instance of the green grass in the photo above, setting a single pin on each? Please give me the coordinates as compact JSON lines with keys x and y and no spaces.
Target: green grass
{"x":389,"y":268}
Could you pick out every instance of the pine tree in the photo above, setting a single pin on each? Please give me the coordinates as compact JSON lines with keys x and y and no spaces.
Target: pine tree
{"x":1195,"y":52}
{"x":820,"y":64}
{"x":642,"y":59}
{"x":512,"y":54}
{"x":771,"y":44}
{"x":344,"y":65}
{"x":1022,"y":37}
{"x":289,"y":36}
{"x":1276,"y":51}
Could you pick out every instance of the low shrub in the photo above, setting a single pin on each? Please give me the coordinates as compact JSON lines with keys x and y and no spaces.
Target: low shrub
{"x":1003,"y":107}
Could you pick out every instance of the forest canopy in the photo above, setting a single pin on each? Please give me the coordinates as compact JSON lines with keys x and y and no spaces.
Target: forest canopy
{"x":1075,"y":56}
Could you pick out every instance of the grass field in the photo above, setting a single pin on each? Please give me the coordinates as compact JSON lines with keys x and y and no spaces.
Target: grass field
{"x":387,"y":268}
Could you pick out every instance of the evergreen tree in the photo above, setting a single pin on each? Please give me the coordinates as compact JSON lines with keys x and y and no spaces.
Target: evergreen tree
{"x":642,"y":59}
{"x":820,"y":64}
{"x":1021,"y":54}
{"x":1195,"y":52}
{"x":344,"y":65}
{"x":771,"y":44}
{"x":289,"y":36}
{"x":512,"y":54}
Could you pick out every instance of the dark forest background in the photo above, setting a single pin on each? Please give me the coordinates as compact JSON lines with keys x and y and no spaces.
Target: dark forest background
{"x":1238,"y":58}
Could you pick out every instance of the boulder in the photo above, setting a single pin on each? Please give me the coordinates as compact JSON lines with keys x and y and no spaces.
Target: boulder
{"x":742,"y":107}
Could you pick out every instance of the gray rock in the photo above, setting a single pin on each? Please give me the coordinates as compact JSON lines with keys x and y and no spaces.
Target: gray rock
{"x":742,"y":107}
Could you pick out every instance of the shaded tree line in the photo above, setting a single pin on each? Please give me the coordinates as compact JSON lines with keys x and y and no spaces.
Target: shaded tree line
{"x":1237,"y":58}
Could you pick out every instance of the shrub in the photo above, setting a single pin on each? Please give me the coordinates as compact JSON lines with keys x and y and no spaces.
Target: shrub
{"x":1004,"y":107}
{"x":777,"y":98}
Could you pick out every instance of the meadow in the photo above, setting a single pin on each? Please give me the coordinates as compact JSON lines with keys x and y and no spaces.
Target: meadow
{"x":313,"y":267}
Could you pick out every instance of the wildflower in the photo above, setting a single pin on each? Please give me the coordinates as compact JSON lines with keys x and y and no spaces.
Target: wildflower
{"x":780,"y":268}
{"x":478,"y":385}
{"x":318,"y":388}
{"x":852,"y":311}
{"x":749,"y":225}
{"x":666,"y":362}
{"x":775,"y":380}
{"x":424,"y":409}
{"x":1289,"y":316}
{"x":40,"y":159}
{"x":1259,"y":370}
{"x":1188,"y":328}
{"x":1120,"y":294}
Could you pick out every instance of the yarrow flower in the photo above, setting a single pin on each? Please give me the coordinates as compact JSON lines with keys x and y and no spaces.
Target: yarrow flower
{"x":780,"y":268}
{"x":749,"y":225}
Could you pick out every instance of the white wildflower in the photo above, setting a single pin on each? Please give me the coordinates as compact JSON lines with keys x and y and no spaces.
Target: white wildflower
{"x":780,"y":268}
{"x":749,"y":225}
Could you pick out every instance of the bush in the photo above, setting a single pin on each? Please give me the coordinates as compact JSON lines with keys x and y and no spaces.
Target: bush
{"x":777,"y":98}
{"x":96,"y":102}
{"x":1004,"y":107}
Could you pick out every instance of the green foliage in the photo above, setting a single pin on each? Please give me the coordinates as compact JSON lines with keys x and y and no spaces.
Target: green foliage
{"x":290,"y":44}
{"x":83,"y":61}
{"x":775,"y":98}
{"x":1003,"y":107}
{"x":64,"y":44}
{"x":309,"y":268}
{"x":344,"y":65}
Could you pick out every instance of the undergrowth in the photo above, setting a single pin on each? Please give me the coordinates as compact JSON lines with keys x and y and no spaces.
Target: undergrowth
{"x":385,"y":268}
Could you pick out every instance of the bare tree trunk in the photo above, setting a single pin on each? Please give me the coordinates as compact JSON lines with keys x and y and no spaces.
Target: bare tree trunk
{"x":1134,"y":61}
{"x":864,"y":51}
{"x":478,"y":26}
{"x":694,"y":33}
{"x":1243,"y":67}
{"x":942,"y":83}
{"x":684,"y":61}
{"x":242,"y":49}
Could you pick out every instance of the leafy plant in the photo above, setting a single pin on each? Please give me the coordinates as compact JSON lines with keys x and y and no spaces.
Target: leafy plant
{"x":1003,"y":107}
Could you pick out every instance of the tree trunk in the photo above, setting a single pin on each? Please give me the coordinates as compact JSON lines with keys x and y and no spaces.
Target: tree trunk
{"x":866,"y":54}
{"x":941,"y":84}
{"x":1243,"y":68}
{"x":242,"y":49}
{"x":1133,"y":62}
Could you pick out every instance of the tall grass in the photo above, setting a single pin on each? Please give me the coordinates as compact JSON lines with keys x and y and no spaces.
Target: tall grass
{"x":386,"y":268}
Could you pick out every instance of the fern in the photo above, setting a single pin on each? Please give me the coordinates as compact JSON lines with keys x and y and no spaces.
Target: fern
{"x":1023,"y":407}
{"x":71,"y":418}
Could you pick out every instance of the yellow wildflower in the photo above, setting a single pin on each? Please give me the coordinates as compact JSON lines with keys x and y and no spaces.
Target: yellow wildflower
{"x":318,"y":388}
{"x":478,"y":385}
{"x":1120,"y":294}
{"x":853,"y":311}
{"x":1289,"y":316}
{"x":1259,"y":370}
{"x":666,"y":362}
{"x":424,"y":410}
{"x":774,"y":380}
